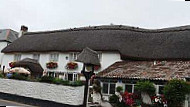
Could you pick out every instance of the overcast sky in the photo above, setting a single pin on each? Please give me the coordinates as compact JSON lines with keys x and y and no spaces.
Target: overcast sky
{"x":40,"y":15}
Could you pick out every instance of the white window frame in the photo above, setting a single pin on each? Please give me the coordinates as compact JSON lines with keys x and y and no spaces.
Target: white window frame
{"x":108,"y":87}
{"x":36,"y":57}
{"x":54,"y":57}
{"x":100,"y":56}
{"x":133,"y":87}
{"x":157,"y":88}
{"x":73,"y":56}
{"x":17,"y":57}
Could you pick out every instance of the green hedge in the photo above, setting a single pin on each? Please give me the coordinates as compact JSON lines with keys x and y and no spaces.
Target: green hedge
{"x":53,"y":80}
{"x":175,"y":92}
{"x":145,"y":86}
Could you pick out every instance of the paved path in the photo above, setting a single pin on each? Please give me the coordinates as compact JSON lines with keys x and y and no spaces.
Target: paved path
{"x":103,"y":104}
{"x":12,"y":103}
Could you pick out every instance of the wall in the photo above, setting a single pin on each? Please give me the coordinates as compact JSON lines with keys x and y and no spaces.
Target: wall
{"x":44,"y":91}
{"x":2,"y":45}
{"x":108,"y":58}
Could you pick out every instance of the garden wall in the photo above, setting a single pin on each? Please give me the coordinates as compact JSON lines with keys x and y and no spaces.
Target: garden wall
{"x":43,"y":91}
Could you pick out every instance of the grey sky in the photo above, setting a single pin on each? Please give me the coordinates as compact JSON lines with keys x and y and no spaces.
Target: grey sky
{"x":41,"y":15}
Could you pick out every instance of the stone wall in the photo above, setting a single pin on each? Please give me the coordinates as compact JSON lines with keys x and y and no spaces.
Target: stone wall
{"x":44,"y":91}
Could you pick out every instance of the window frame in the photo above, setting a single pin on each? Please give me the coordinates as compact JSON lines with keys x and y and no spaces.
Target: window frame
{"x":17,"y":57}
{"x":108,"y":90}
{"x":36,"y":56}
{"x":54,"y":57}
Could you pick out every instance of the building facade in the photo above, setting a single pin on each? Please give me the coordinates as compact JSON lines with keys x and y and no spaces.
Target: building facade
{"x":7,"y":36}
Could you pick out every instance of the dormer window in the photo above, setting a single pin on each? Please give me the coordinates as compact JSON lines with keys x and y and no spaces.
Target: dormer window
{"x":54,"y":57}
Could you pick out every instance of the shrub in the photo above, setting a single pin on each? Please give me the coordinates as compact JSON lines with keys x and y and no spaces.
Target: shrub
{"x":47,"y":79}
{"x":114,"y":99}
{"x":1,"y":75}
{"x":19,"y":77}
{"x":145,"y":86}
{"x":76,"y":83}
{"x":175,"y":92}
{"x":119,"y":89}
{"x":57,"y":81}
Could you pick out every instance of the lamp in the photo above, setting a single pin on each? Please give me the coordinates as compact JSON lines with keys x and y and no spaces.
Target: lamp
{"x":89,"y":58}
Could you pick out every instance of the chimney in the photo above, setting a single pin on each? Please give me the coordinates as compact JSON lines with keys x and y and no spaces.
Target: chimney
{"x":23,"y":30}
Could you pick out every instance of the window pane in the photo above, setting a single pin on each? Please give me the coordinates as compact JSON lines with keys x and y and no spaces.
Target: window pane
{"x":105,"y":88}
{"x":36,"y":57}
{"x":54,"y":57}
{"x":161,"y":88}
{"x":17,"y":57}
{"x":128,"y":88}
{"x":112,"y":88}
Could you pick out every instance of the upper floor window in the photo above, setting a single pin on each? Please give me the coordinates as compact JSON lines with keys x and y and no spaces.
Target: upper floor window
{"x":17,"y":57}
{"x":100,"y":56}
{"x":54,"y":57}
{"x":73,"y":56}
{"x":36,"y":57}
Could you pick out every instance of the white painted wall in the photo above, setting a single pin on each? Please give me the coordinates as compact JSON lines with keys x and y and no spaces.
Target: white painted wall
{"x":108,"y":58}
{"x":2,"y":45}
{"x":57,"y":93}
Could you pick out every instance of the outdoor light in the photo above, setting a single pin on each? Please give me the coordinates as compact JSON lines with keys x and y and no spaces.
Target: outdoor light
{"x":89,"y":58}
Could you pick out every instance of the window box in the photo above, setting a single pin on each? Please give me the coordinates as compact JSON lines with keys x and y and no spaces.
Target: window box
{"x":97,"y":67}
{"x":72,"y":65}
{"x":51,"y":65}
{"x":11,"y":64}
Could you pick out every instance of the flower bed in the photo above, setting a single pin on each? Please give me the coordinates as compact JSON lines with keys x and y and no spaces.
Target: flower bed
{"x":72,"y":65}
{"x":51,"y":65}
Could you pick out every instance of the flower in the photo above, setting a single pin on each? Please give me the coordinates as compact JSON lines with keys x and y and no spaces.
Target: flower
{"x":11,"y":64}
{"x":51,"y":65}
{"x":71,"y":65}
{"x":97,"y":67}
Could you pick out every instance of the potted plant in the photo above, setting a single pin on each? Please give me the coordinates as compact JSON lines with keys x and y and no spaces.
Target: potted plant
{"x":51,"y":65}
{"x":71,"y":65}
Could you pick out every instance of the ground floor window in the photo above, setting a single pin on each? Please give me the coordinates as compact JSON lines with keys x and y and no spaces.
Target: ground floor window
{"x":160,"y":89}
{"x":65,"y":76}
{"x":108,"y":88}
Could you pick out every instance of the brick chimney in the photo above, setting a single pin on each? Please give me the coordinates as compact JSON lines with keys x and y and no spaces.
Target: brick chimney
{"x":23,"y":30}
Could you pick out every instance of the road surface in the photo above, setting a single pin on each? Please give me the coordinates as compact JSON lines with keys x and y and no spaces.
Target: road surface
{"x":12,"y":103}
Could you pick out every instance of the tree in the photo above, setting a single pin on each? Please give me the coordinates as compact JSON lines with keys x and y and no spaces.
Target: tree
{"x":175,"y":92}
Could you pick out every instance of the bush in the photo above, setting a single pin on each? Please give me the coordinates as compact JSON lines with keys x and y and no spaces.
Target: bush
{"x":175,"y":92}
{"x":76,"y":83}
{"x":1,"y":75}
{"x":114,"y":99}
{"x":47,"y":79}
{"x":19,"y":77}
{"x":145,"y":86}
{"x":119,"y":89}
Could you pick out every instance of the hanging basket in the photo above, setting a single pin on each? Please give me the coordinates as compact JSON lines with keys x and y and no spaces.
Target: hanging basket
{"x":51,"y":65}
{"x":72,"y":65}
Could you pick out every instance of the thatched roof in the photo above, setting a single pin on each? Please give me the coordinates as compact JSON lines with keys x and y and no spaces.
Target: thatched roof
{"x":8,"y":35}
{"x":163,"y":70}
{"x":130,"y":42}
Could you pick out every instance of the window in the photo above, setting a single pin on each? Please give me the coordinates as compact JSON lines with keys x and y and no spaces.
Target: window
{"x":100,"y":56}
{"x":73,"y":56}
{"x":105,"y":88}
{"x":17,"y":57}
{"x":75,"y":77}
{"x":112,"y":89}
{"x":36,"y":57}
{"x":54,"y":57}
{"x":160,"y":89}
{"x":108,"y":88}
{"x":129,"y":88}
